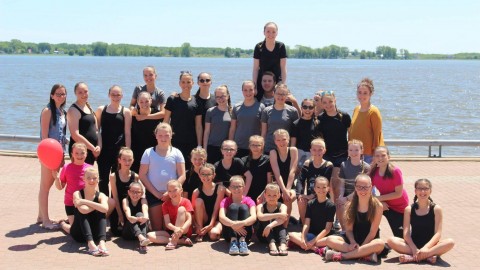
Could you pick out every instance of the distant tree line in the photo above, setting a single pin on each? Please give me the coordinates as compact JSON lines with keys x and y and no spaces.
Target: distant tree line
{"x":16,"y":46}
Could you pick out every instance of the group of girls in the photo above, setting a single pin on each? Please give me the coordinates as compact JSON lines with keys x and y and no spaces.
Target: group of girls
{"x":265,"y":153}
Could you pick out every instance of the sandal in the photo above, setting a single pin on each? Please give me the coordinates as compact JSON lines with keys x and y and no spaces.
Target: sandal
{"x":199,"y":238}
{"x":186,"y":241}
{"x":145,"y":242}
{"x":95,"y":252}
{"x":273,"y":252}
{"x":104,"y":252}
{"x":282,"y":252}
{"x":170,"y":246}
{"x":143,"y":248}
{"x":51,"y":227}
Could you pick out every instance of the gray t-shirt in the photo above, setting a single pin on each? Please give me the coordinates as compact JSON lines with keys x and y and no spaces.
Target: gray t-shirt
{"x":219,"y":125}
{"x":158,"y":96}
{"x":277,"y":119}
{"x":248,"y":122}
{"x":162,"y":169}
{"x":349,"y":172}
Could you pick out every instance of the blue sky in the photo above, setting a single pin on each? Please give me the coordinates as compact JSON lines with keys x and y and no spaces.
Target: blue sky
{"x":423,"y":26}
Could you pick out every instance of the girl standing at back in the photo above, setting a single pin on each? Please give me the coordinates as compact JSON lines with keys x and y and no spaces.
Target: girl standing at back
{"x":284,"y":164}
{"x":422,"y":231}
{"x":206,"y":203}
{"x":389,"y":182}
{"x":71,"y":178}
{"x":217,"y":124}
{"x":198,"y":157}
{"x":349,"y":170}
{"x":115,"y":124}
{"x":120,"y":182}
{"x":157,"y":95}
{"x":90,"y":208}
{"x":269,"y":55}
{"x":53,"y":125}
{"x":366,"y":120}
{"x":304,"y":131}
{"x":246,"y":118}
{"x":362,"y":219}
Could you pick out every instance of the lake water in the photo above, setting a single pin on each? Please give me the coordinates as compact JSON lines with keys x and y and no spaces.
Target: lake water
{"x":417,"y":99}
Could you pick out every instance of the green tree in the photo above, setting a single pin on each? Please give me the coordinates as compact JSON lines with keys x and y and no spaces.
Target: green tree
{"x":185,"y":50}
{"x":99,"y":48}
{"x":228,"y":52}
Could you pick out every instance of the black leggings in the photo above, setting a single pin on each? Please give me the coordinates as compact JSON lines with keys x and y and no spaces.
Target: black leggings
{"x":277,"y":234}
{"x":237,"y":211}
{"x":132,"y":230}
{"x":395,"y":220}
{"x":107,"y":162}
{"x":87,"y":227}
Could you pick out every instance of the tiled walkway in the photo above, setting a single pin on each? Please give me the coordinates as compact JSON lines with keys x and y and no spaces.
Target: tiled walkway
{"x":24,"y":245}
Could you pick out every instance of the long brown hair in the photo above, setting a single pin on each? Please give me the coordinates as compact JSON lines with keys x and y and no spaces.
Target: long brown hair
{"x":352,"y":210}
{"x":389,"y":171}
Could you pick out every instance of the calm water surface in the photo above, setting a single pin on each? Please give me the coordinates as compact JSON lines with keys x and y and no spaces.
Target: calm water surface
{"x":417,"y":99}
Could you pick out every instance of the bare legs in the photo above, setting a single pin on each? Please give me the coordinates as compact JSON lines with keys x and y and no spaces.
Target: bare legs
{"x":46,"y":182}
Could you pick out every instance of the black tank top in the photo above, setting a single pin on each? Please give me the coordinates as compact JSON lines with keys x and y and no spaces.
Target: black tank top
{"x":113,"y":129}
{"x":209,"y":201}
{"x":86,"y":127}
{"x":423,"y":227}
{"x":284,"y":166}
{"x":361,"y":228}
{"x":134,"y":209}
{"x":264,"y":224}
{"x":122,"y":187}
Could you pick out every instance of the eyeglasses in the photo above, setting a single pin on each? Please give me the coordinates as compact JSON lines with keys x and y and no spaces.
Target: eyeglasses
{"x":60,"y":95}
{"x":206,"y":174}
{"x":305,"y":107}
{"x":423,"y":189}
{"x":256,"y":145}
{"x":116,"y":95}
{"x":204,"y":80}
{"x":362,"y":187}
{"x":136,"y":192}
{"x":229,"y":149}
{"x":282,"y":95}
{"x":220,"y":97}
{"x":235,"y":187}
{"x":328,"y":93}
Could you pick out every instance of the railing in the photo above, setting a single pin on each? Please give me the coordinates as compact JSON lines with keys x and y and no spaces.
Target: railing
{"x":394,"y":142}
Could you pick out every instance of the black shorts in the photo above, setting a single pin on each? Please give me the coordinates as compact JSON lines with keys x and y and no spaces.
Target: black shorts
{"x":152,"y":200}
{"x":70,"y":210}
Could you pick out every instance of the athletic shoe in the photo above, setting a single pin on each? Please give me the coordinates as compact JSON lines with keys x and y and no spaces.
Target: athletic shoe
{"x":233,"y":250}
{"x":243,"y":248}
{"x":334,"y":256}
{"x":321,"y":251}
{"x":370,"y":258}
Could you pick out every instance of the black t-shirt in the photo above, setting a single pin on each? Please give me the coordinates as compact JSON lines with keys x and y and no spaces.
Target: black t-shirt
{"x":223,"y":175}
{"x":204,"y":105}
{"x":268,"y":61}
{"x":192,"y":181}
{"x":305,"y":132}
{"x":182,"y":119}
{"x":310,"y":173}
{"x":259,"y":168}
{"x":334,"y":132}
{"x":319,"y":214}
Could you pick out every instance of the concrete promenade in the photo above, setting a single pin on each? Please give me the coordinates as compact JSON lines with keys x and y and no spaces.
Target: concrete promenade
{"x":25,"y":245}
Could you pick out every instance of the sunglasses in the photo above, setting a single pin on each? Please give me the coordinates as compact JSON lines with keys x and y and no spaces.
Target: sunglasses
{"x":188,"y":72}
{"x":204,"y":80}
{"x":305,"y":107}
{"x":328,"y":93}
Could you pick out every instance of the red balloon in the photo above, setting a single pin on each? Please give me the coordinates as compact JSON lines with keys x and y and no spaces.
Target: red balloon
{"x":50,"y":153}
